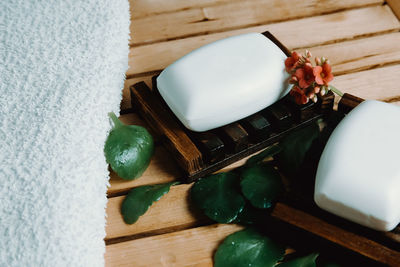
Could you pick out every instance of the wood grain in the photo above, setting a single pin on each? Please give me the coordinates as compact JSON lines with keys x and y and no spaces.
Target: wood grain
{"x":381,"y":83}
{"x":193,"y":247}
{"x":173,"y":211}
{"x":361,"y":54}
{"x":221,"y":17}
{"x":294,"y":34}
{"x":143,"y":8}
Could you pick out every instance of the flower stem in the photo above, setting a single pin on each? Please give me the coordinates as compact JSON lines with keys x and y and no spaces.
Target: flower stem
{"x":335,"y":90}
{"x":115,"y":120}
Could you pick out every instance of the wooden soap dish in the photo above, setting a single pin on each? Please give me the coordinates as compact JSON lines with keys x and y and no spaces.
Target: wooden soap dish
{"x":200,"y":154}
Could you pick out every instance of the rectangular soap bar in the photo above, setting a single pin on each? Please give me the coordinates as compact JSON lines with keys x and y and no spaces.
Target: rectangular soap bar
{"x":358,"y":175}
{"x":224,"y":81}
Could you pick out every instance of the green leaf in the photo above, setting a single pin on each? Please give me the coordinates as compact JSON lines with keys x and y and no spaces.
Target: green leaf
{"x":128,"y":149}
{"x":295,"y":146}
{"x":261,"y":185}
{"x":139,"y":199}
{"x":251,"y":215}
{"x":266,"y":153}
{"x":306,"y":261}
{"x":248,"y":248}
{"x":219,"y":196}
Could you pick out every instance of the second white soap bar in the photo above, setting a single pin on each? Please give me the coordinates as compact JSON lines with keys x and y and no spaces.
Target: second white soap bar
{"x":224,"y":81}
{"x":358,"y":175}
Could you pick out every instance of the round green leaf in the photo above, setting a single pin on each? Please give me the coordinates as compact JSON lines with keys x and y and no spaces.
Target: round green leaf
{"x":261,"y":185}
{"x":128,"y":149}
{"x":248,"y":248}
{"x":139,"y":199}
{"x":306,"y":261}
{"x":219,"y":196}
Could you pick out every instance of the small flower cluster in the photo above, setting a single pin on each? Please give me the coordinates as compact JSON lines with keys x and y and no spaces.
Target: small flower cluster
{"x":308,"y":80}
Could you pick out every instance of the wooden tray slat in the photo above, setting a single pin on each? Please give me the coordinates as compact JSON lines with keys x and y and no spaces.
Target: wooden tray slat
{"x":162,"y":122}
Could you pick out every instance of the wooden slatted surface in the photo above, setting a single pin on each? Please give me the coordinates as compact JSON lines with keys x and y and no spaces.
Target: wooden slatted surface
{"x":360,"y":37}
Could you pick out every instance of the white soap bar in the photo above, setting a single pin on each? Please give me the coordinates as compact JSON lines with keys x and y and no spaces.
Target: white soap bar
{"x":358,"y":175}
{"x":224,"y":81}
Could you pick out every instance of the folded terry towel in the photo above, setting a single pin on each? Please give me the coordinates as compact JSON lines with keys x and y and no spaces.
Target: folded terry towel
{"x":62,"y":69}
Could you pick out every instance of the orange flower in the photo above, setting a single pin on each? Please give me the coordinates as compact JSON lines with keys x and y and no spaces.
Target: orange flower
{"x":305,"y":75}
{"x":323,"y":74}
{"x":292,"y":61}
{"x":299,"y":95}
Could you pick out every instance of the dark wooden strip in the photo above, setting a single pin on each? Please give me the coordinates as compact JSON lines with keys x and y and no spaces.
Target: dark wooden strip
{"x":348,"y":102}
{"x":277,"y":42}
{"x":279,"y":115}
{"x":252,"y":148}
{"x":301,"y":112}
{"x":234,"y":136}
{"x":162,"y":122}
{"x":210,"y":145}
{"x":336,"y":234}
{"x":257,"y":126}
{"x":326,"y":102}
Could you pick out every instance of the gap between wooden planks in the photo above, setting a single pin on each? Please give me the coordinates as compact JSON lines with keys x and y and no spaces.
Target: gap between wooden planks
{"x":223,"y":16}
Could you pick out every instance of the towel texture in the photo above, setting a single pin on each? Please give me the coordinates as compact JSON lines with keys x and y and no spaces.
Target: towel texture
{"x":62,"y":69}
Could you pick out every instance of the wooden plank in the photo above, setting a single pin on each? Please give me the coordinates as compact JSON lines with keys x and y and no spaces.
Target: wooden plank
{"x":294,"y":34}
{"x":193,"y":247}
{"x":143,"y":8}
{"x":395,"y":6}
{"x":381,"y":83}
{"x":230,"y":15}
{"x":173,"y":211}
{"x":361,"y":54}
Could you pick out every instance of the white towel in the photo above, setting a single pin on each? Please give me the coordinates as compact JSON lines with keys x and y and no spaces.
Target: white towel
{"x":62,"y":65}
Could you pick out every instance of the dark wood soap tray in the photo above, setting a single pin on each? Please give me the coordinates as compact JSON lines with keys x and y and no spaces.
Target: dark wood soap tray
{"x":199,"y":154}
